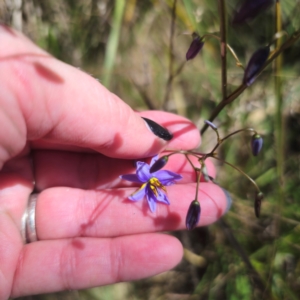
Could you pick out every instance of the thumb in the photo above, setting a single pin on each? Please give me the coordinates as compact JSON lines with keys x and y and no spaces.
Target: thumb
{"x":52,"y":104}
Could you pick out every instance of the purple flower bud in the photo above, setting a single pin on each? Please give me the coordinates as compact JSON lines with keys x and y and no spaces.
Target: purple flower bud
{"x":256,"y":144}
{"x":255,"y":65}
{"x":193,"y":215}
{"x":250,"y":9}
{"x":160,"y":163}
{"x":257,"y":203}
{"x":211,"y":124}
{"x":195,"y":47}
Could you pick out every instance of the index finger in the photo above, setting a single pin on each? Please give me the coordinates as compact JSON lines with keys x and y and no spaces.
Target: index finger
{"x":55,"y":105}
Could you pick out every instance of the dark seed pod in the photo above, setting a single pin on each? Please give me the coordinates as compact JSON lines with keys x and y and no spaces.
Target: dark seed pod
{"x":250,"y":9}
{"x":257,"y":203}
{"x":195,"y":47}
{"x":193,"y":215}
{"x":255,"y":65}
{"x":256,"y":144}
{"x":160,"y":163}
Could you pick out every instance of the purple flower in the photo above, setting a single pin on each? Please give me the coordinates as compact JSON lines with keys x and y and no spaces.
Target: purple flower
{"x":153,"y":184}
{"x":250,"y":9}
{"x":195,"y":47}
{"x":193,"y":215}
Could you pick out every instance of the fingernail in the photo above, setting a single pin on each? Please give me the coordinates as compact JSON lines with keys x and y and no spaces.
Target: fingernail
{"x":228,"y":200}
{"x":158,"y":130}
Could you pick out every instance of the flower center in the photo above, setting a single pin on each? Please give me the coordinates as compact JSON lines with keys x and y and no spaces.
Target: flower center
{"x":155,"y":184}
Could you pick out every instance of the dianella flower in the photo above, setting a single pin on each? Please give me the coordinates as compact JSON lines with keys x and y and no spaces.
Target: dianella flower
{"x":153,"y":185}
{"x":250,"y":9}
{"x":255,"y":65}
{"x":256,"y":144}
{"x":193,"y":215}
{"x":195,"y":46}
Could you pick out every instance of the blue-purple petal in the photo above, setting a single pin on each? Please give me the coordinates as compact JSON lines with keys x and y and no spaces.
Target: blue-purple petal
{"x":142,"y":171}
{"x":139,"y":194}
{"x":162,"y":197}
{"x":167,"y":177}
{"x":151,"y":199}
{"x":131,"y":178}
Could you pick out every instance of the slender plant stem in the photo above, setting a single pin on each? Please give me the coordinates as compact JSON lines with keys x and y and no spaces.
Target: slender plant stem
{"x":222,"y":13}
{"x":279,"y":125}
{"x":113,"y":41}
{"x":189,"y":160}
{"x":238,"y":131}
{"x":171,"y":57}
{"x":238,"y":63}
{"x":279,"y":137}
{"x":143,"y":93}
{"x":239,"y":170}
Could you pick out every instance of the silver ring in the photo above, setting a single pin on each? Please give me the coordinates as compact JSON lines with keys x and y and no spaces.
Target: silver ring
{"x":28,"y":221}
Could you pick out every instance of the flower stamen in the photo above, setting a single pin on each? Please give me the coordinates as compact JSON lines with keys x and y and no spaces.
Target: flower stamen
{"x":155,"y":183}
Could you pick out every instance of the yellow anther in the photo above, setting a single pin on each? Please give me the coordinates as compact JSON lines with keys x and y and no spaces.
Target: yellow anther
{"x":157,"y":184}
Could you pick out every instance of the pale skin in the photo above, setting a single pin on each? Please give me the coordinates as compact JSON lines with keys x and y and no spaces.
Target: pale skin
{"x":68,"y":138}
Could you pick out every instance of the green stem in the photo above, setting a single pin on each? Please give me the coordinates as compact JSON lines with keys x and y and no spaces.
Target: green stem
{"x":238,"y":63}
{"x":239,"y":170}
{"x":113,"y":41}
{"x":238,"y":131}
{"x":279,"y":126}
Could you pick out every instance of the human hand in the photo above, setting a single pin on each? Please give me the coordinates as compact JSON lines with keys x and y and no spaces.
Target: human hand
{"x":66,"y":137}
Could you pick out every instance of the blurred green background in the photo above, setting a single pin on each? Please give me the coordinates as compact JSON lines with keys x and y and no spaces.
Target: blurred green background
{"x":128,"y":46}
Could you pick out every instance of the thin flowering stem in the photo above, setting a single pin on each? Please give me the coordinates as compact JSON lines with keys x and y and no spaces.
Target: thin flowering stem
{"x":220,"y":141}
{"x":239,"y":170}
{"x":238,"y":63}
{"x":238,"y":131}
{"x":199,"y":172}
{"x":199,"y":154}
{"x":222,"y":104}
{"x":189,"y":160}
